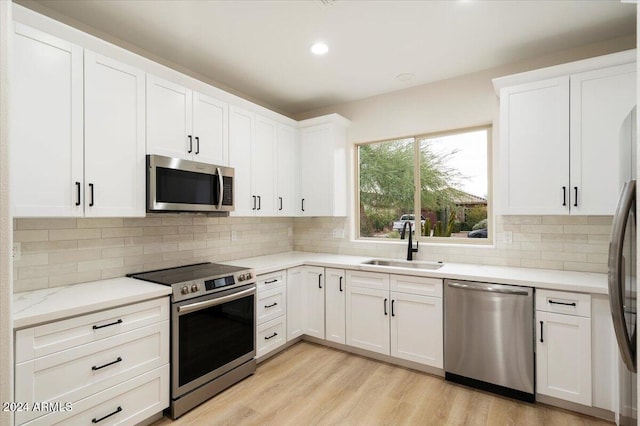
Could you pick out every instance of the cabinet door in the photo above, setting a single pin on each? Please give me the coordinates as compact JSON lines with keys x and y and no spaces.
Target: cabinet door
{"x":241,"y":128}
{"x":210,"y":130}
{"x":263,"y":168}
{"x":564,"y":357}
{"x":286,"y":177}
{"x":295,"y":305}
{"x":114,"y":137}
{"x":335,"y":305}
{"x":313,"y":301}
{"x":600,"y":102}
{"x":47,"y":125}
{"x":316,"y":170}
{"x":534,"y":147}
{"x":367,"y":321}
{"x":416,"y":328}
{"x":169,"y":119}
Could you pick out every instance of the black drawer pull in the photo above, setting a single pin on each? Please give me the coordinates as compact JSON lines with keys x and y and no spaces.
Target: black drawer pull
{"x":271,"y":337}
{"x":259,"y":202}
{"x":91,"y":203}
{"x":393,"y":314}
{"x":564,"y":196}
{"x":280,"y":208}
{"x":541,"y":332}
{"x":271,"y":282}
{"x":553,"y":302}
{"x":385,"y":306}
{"x":303,"y":204}
{"x":96,"y":368}
{"x":197,"y":145}
{"x":77,"y":193}
{"x":96,"y":327}
{"x":271,"y":305}
{"x":190,"y":144}
{"x":319,"y":280}
{"x":254,"y":202}
{"x":575,"y":199}
{"x":94,"y":420}
{"x":341,"y":284}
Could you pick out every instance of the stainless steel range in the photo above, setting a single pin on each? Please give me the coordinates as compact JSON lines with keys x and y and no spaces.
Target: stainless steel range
{"x":213,"y":319}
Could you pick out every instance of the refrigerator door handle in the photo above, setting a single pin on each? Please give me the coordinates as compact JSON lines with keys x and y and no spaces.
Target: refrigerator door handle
{"x":616,"y":272}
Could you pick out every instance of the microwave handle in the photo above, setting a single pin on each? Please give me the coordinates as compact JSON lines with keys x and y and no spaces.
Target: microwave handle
{"x":220,"y":188}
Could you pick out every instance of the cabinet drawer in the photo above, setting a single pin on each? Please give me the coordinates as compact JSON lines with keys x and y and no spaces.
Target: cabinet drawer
{"x":416,"y":285}
{"x":271,"y":335}
{"x":129,"y":403}
{"x":563,"y":302}
{"x":371,"y":280}
{"x":269,"y":281}
{"x":47,"y":339}
{"x":271,"y":304}
{"x":77,"y":373}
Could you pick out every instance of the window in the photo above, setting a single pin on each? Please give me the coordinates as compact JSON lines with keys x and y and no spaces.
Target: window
{"x":443,"y":179}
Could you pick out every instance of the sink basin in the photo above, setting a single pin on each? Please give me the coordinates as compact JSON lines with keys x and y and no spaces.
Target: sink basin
{"x":404,"y":264}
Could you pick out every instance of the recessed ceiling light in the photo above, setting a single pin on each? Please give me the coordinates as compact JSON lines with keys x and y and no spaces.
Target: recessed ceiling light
{"x":319,"y":48}
{"x":405,"y":76}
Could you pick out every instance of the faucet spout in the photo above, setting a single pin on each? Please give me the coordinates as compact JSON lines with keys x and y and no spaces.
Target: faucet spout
{"x":410,"y":248}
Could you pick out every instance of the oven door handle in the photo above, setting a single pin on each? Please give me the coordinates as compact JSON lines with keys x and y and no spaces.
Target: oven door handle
{"x":185,"y":309}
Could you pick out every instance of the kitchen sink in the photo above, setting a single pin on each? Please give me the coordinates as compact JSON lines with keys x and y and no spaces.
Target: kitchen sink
{"x":404,"y":264}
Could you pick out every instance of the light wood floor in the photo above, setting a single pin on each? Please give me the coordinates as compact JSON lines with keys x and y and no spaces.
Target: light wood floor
{"x":309,"y":384}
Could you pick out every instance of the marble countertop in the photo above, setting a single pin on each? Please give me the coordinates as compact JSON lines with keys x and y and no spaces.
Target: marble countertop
{"x":584,"y":282}
{"x":51,"y":304}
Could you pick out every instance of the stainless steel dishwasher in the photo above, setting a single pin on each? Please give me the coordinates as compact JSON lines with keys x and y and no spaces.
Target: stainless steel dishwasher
{"x":489,"y":337}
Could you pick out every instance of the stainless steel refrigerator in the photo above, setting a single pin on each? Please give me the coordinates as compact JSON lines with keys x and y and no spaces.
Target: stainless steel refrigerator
{"x":622,"y":277}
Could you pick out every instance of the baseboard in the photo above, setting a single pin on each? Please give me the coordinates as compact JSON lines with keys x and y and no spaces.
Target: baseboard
{"x":600,"y":413}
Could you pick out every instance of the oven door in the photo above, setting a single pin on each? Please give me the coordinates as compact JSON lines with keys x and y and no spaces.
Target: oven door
{"x":211,"y":335}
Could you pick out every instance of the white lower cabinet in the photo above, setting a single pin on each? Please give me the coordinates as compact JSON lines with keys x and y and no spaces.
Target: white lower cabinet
{"x":271,"y":318}
{"x":563,"y":347}
{"x":313,"y":289}
{"x":295,"y":308}
{"x":335,"y":309}
{"x":403,"y":325}
{"x":92,"y":362}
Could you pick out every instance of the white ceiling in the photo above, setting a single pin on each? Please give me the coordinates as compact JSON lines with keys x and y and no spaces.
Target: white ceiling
{"x":261,"y":48}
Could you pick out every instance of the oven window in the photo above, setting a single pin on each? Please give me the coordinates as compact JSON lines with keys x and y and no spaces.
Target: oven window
{"x":182,"y":187}
{"x":213,"y":337}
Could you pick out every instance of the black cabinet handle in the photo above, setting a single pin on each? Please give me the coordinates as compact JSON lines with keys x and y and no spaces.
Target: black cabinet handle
{"x":385,"y":306}
{"x":94,"y":420}
{"x":280,"y":208}
{"x":553,"y":302}
{"x":96,"y":368}
{"x":271,"y":282}
{"x":564,"y":196}
{"x":392,"y":312}
{"x":340,"y":283}
{"x":91,"y":190}
{"x":575,"y":199}
{"x":271,"y":305}
{"x":254,"y":202}
{"x":271,"y":337}
{"x":197,"y":145}
{"x":259,"y":202}
{"x":77,"y":193}
{"x":319,"y":280}
{"x":303,"y":204}
{"x":541,"y":332}
{"x":96,"y":327}
{"x":190,"y":145}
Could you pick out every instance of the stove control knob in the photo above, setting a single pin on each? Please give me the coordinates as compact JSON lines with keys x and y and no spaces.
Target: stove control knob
{"x":241,"y":277}
{"x":184,"y":290}
{"x":248,"y":276}
{"x":194,"y":288}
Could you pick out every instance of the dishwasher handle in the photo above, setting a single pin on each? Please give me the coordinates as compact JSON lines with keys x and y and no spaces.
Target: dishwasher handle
{"x":489,"y":288}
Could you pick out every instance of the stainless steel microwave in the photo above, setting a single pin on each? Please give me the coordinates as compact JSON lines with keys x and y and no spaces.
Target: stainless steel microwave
{"x":176,"y":185}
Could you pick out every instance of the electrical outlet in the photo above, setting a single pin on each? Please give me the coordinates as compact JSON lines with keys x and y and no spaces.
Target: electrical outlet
{"x":338,"y":233}
{"x":17,"y":251}
{"x":508,"y":237}
{"x":234,"y":235}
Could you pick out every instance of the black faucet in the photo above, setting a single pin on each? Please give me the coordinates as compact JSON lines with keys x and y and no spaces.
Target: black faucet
{"x":410,"y":249}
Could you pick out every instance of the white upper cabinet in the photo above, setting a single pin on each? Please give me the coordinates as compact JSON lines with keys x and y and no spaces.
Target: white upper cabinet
{"x":600,"y":102}
{"x":323,"y":167}
{"x":47,"y":125}
{"x":560,"y":137}
{"x":535,"y":147}
{"x":241,"y":131}
{"x":185,"y":124}
{"x":73,"y":137}
{"x":263,"y":168}
{"x":114,"y":137}
{"x":287,"y":155}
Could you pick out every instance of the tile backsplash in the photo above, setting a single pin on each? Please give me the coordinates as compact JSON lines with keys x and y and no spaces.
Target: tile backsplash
{"x":57,"y":252}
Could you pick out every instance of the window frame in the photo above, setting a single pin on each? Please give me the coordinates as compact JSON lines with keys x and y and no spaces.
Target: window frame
{"x":489,"y":241}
